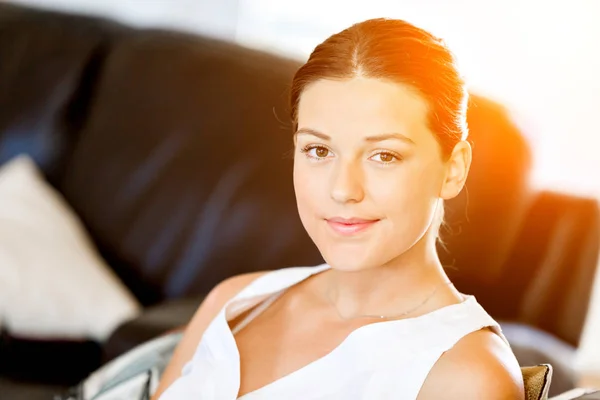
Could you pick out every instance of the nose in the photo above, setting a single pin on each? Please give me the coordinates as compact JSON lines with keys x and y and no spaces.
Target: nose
{"x":347,"y":183}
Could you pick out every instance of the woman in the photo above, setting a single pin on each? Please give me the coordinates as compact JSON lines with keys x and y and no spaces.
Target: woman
{"x":379,"y":117}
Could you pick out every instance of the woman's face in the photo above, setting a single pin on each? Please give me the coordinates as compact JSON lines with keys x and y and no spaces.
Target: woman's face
{"x":368,"y":172}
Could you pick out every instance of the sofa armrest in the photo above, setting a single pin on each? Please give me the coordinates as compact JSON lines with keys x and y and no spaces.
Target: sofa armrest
{"x":154,"y":321}
{"x":533,"y":346}
{"x":35,"y":360}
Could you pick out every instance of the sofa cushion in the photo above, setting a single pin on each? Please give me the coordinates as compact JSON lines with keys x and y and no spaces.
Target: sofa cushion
{"x":53,"y":285}
{"x":537,"y":381}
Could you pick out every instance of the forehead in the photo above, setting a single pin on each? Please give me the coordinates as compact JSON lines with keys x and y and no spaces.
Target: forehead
{"x":362,"y":107}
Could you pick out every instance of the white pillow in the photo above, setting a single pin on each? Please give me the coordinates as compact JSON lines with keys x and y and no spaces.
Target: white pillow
{"x":53,"y":284}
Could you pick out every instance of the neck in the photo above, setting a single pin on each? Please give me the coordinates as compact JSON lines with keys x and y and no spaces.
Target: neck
{"x":389,"y":289}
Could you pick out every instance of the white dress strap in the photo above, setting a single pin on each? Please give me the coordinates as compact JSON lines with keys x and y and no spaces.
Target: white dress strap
{"x":256,"y":312}
{"x":266,"y":285}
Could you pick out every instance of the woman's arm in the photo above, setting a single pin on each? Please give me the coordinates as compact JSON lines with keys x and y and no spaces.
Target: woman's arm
{"x":208,"y":310}
{"x":479,"y":366}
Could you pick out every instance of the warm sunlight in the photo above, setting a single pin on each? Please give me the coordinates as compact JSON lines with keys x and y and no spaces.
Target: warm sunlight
{"x":540,"y":58}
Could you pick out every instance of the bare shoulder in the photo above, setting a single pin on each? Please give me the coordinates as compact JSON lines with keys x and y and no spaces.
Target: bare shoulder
{"x":226,"y":290}
{"x":479,"y":366}
{"x":208,"y":310}
{"x":216,"y":300}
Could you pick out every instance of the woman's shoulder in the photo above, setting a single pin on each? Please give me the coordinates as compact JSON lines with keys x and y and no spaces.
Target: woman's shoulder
{"x":208,"y":310}
{"x":481,"y":365}
{"x":229,"y":288}
{"x":259,"y":281}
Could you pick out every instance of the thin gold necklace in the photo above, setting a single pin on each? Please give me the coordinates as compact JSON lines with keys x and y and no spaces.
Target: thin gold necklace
{"x":395,"y":316}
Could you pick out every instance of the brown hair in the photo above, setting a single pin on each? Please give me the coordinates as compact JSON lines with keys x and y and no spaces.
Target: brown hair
{"x":399,"y":52}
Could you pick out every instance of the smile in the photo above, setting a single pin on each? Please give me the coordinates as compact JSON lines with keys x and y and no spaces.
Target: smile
{"x":351,"y":226}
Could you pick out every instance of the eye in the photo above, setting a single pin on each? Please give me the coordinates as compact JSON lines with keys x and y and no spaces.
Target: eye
{"x":386,"y":157}
{"x":316,"y":152}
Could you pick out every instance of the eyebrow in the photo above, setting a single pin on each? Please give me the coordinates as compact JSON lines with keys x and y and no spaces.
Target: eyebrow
{"x":376,"y":138}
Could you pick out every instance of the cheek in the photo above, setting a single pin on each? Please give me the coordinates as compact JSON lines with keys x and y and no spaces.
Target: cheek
{"x":406,"y":196}
{"x":307,"y":187}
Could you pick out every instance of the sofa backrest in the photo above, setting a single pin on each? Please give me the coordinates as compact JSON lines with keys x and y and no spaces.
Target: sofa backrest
{"x":173,"y":149}
{"x":527,"y":256}
{"x":483,"y":220}
{"x":548,"y":278}
{"x":183,"y":169}
{"x":48,"y":65}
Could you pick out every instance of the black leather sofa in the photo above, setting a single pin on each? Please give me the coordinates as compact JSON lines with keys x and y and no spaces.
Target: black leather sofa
{"x":173,"y":149}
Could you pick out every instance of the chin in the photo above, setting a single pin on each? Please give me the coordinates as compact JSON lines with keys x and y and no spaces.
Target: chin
{"x":349,"y":254}
{"x":349,"y":261}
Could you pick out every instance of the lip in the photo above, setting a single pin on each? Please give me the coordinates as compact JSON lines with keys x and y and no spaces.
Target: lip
{"x":350,"y":226}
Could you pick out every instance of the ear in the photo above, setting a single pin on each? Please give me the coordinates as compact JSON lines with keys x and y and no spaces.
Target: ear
{"x":457,"y":170}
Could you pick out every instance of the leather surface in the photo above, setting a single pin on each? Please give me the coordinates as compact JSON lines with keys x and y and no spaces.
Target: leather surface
{"x":48,"y":64}
{"x":155,"y":321}
{"x":18,"y":390}
{"x":483,"y":220}
{"x":182,"y":172}
{"x":553,"y":263}
{"x":51,"y":362}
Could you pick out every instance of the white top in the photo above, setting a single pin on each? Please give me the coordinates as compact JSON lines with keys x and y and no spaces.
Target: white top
{"x":382,"y":360}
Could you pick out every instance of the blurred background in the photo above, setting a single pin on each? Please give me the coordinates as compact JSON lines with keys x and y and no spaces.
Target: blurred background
{"x":540,"y":58}
{"x":142,"y":161}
